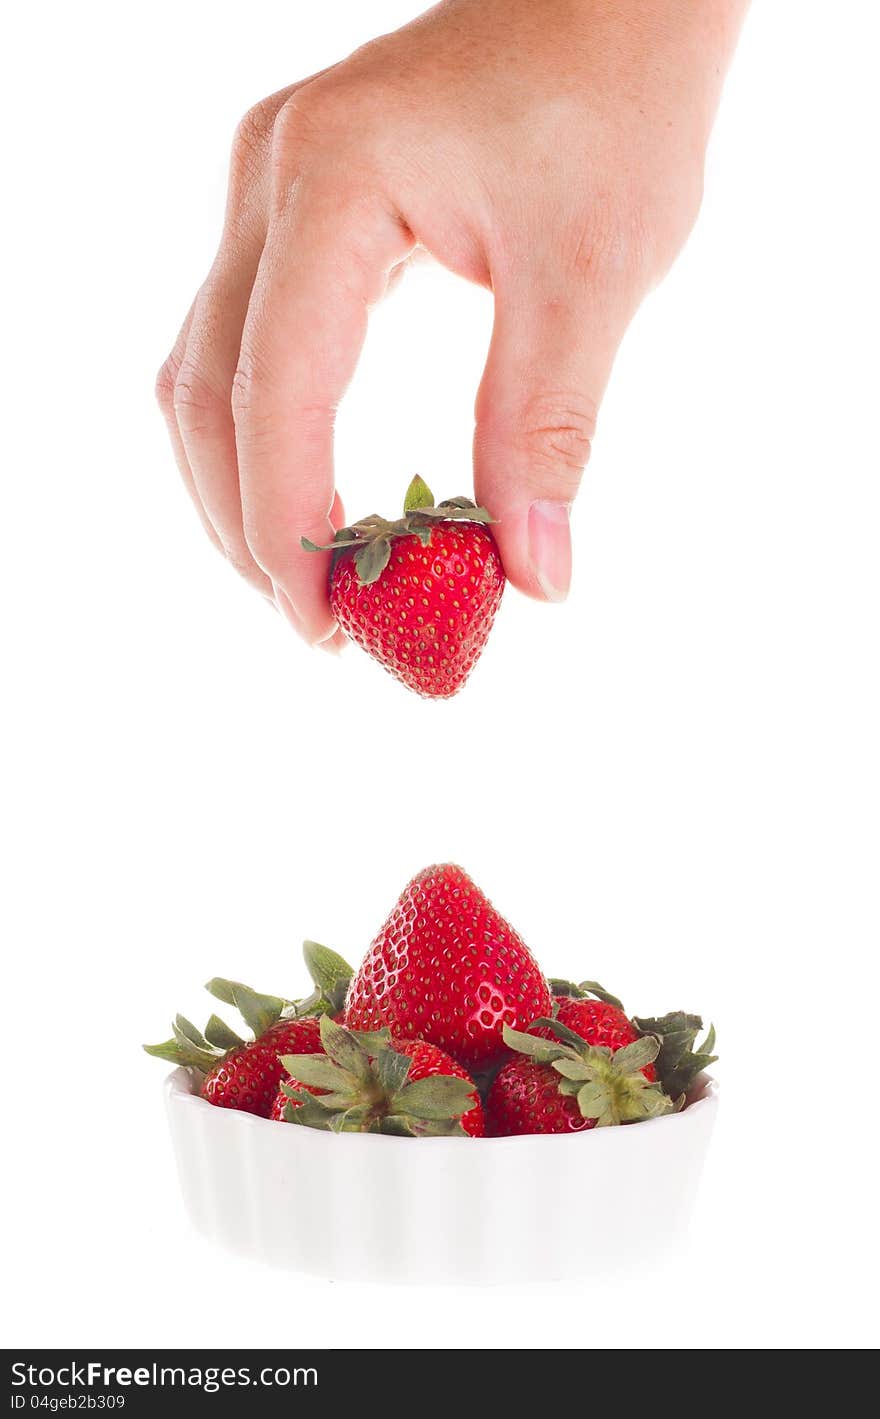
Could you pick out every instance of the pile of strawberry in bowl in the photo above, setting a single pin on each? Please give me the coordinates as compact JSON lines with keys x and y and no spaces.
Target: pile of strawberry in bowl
{"x":450,"y":1033}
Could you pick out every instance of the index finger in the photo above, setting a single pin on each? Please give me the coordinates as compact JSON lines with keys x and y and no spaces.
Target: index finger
{"x":325,"y":262}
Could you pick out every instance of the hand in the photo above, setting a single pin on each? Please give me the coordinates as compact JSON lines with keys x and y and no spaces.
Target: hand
{"x":551,"y":150}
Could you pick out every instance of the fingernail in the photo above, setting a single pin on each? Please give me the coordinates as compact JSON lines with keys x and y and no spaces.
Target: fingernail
{"x":287,"y":608}
{"x":550,"y":548}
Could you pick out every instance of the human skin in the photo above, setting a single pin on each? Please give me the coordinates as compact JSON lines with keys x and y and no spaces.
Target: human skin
{"x":550,"y":150}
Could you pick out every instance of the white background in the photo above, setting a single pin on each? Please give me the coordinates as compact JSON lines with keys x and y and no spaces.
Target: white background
{"x":670,"y":783}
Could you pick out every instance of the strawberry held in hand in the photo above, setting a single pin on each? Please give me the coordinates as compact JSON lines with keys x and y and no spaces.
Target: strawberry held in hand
{"x":371,"y":1083}
{"x":446,"y":967}
{"x":419,"y":594}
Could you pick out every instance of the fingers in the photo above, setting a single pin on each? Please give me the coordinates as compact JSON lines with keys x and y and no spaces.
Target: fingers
{"x":203,"y":409}
{"x":551,"y":353}
{"x":166,"y":382}
{"x":326,"y":261}
{"x":202,"y":395}
{"x":196,"y":383}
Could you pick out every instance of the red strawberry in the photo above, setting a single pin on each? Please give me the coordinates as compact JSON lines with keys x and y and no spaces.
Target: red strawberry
{"x":603,"y":1021}
{"x":592,"y":1066}
{"x":247,"y":1078}
{"x":279,"y":1104}
{"x":245,"y":1074}
{"x":599,"y":1023}
{"x":525,"y":1098}
{"x":419,"y":594}
{"x":447,"y":968}
{"x":565,"y":1084}
{"x":371,"y":1083}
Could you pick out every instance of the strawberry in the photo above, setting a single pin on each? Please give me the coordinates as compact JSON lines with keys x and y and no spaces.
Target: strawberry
{"x":247,"y":1077}
{"x":419,"y":594}
{"x":599,"y":1023}
{"x":592,"y":1065}
{"x":245,"y":1074}
{"x":447,"y":968}
{"x":562,"y":1086}
{"x":603,"y":1021}
{"x":278,"y":1111}
{"x":524,"y":1098}
{"x":371,"y":1083}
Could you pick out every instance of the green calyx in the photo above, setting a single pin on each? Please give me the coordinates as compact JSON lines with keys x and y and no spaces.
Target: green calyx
{"x":331,"y":976}
{"x":189,"y":1047}
{"x":259,"y":1012}
{"x":582,"y":991}
{"x":373,"y":535}
{"x":609,"y":1086}
{"x":678,"y":1063}
{"x":194,"y":1050}
{"x":367,"y":1089}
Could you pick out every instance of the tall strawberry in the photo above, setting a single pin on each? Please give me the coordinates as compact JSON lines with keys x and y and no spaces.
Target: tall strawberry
{"x":371,"y":1083}
{"x":418,"y":594}
{"x":244,"y":1074}
{"x":446,"y":967}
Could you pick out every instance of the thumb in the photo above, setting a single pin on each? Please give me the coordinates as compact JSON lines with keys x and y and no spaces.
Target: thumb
{"x":548,"y":364}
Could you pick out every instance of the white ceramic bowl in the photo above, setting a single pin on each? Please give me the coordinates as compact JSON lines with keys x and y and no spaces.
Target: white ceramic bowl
{"x":372,"y":1208}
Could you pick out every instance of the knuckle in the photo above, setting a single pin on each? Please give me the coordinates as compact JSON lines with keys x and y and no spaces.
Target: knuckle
{"x":612,"y":245}
{"x":255,"y":407}
{"x":245,"y":385}
{"x":556,"y":434}
{"x":261,"y":540}
{"x":196,"y":403}
{"x":165,"y":382}
{"x":255,"y":397}
{"x":628,"y":240}
{"x":300,"y":120}
{"x":326,"y":111}
{"x":253,"y":136}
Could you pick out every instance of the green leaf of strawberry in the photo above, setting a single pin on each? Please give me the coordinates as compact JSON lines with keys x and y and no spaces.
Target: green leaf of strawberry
{"x":187,"y":1047}
{"x":418,"y":496}
{"x":609,"y":1085}
{"x":372,"y":559}
{"x":391,"y":1070}
{"x":219,"y":1034}
{"x":363,"y":1083}
{"x":582,"y":991}
{"x":373,"y":535}
{"x":678,"y":1063}
{"x":318,"y":1072}
{"x":436,"y":1098}
{"x":331,"y":975}
{"x":244,"y":1074}
{"x":259,"y":1012}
